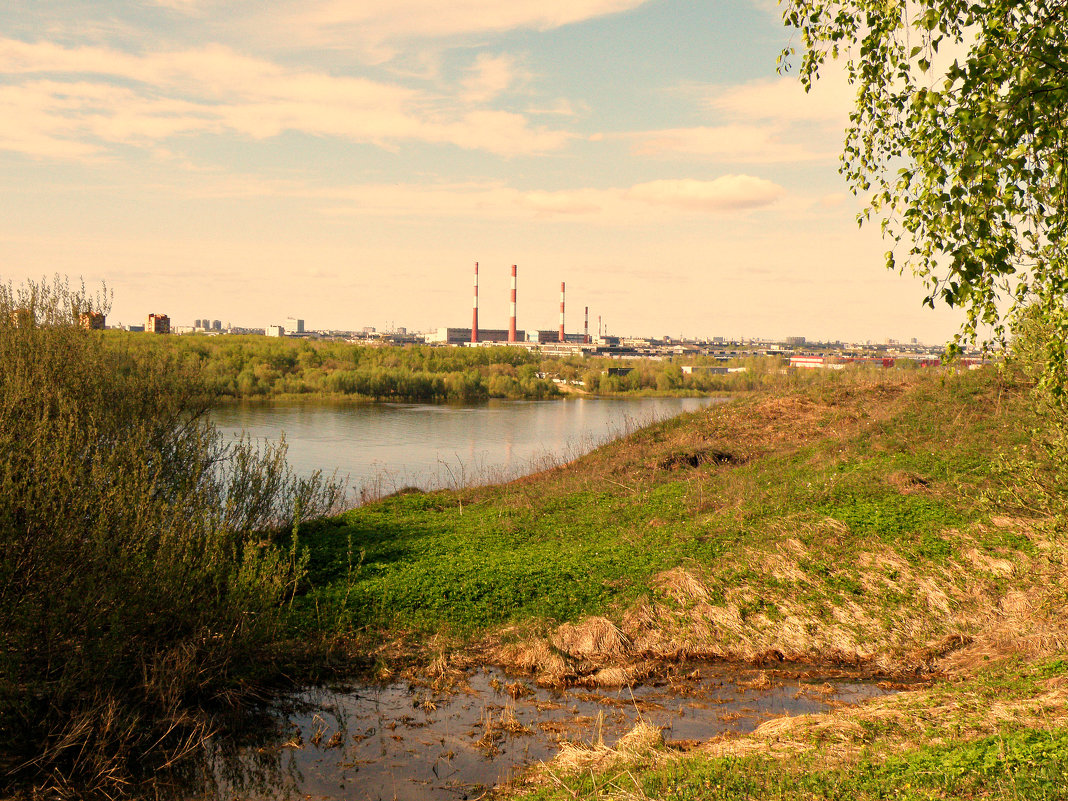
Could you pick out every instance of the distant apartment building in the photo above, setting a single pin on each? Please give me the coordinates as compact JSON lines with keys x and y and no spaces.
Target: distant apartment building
{"x":294,"y":326}
{"x":158,"y":324}
{"x":92,"y":321}
{"x":22,"y":318}
{"x":216,"y":325}
{"x":275,"y":331}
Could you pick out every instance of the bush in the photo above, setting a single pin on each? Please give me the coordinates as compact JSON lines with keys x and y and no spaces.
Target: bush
{"x":140,"y":577}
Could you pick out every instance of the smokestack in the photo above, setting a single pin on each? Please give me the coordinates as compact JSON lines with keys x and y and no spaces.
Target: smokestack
{"x":586,"y":328}
{"x":599,"y":334}
{"x":562,"y":337}
{"x":474,"y":309}
{"x":511,"y":322}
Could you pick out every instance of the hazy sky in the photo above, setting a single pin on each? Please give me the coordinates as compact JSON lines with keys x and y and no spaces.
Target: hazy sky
{"x":348,"y":161}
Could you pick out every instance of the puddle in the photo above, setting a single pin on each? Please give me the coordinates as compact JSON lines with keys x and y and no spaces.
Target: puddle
{"x":405,"y":743}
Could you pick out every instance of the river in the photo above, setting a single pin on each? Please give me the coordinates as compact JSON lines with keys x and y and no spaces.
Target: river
{"x":384,"y":447}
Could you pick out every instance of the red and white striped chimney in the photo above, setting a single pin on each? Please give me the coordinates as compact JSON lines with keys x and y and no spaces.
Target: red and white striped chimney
{"x":586,"y":328}
{"x":562,"y":337}
{"x":474,"y":309}
{"x":511,"y":322}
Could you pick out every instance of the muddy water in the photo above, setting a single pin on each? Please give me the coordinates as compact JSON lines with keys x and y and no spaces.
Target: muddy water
{"x":407,"y":743}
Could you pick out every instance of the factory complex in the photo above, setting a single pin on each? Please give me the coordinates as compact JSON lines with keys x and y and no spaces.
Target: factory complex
{"x":558,"y":342}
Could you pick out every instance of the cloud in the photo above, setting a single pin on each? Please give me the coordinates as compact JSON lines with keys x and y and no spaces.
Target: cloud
{"x":784,"y":99}
{"x":748,"y":143}
{"x":650,"y":202}
{"x":379,"y":30}
{"x":403,"y":20}
{"x":727,"y":193}
{"x":769,"y":121}
{"x":90,"y":97}
{"x":488,"y":78}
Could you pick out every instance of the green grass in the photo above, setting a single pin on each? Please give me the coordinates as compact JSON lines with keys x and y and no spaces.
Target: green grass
{"x":424,"y":565}
{"x":589,"y":537}
{"x":858,"y":510}
{"x":1022,"y":764}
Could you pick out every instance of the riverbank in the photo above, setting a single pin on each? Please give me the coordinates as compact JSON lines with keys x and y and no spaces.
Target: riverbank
{"x":257,"y":367}
{"x":889,"y":522}
{"x":878,"y":521}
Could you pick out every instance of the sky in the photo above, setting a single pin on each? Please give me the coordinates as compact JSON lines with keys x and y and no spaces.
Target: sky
{"x":347,"y":162}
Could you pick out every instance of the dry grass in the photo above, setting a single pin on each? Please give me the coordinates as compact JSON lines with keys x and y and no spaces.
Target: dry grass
{"x":641,"y":742}
{"x":595,"y":639}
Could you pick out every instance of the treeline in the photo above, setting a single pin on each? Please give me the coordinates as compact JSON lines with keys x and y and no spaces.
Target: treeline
{"x":666,"y":377}
{"x":249,"y":367}
{"x":244,"y":367}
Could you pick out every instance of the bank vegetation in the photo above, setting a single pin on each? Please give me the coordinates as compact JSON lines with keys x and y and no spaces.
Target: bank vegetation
{"x":909,"y":524}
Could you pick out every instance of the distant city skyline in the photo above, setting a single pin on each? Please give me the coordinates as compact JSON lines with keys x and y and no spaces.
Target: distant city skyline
{"x":353,"y":161}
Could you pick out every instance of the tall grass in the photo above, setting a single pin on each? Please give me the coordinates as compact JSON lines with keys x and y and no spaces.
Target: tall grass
{"x":140,"y":578}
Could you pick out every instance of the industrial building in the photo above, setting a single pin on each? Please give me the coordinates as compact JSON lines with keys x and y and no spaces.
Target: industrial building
{"x":696,"y":369}
{"x":460,"y":336}
{"x":91,"y":321}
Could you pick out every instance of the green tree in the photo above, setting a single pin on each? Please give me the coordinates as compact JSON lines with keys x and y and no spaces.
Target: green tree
{"x":958,"y":142}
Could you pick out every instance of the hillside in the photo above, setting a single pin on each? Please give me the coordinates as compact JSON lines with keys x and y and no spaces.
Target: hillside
{"x":890,"y":521}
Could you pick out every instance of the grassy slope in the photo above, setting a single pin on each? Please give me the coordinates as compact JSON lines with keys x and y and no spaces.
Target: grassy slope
{"x":857,"y":518}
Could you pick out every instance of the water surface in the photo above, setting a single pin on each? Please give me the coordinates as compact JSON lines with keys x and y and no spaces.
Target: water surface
{"x":384,"y":447}
{"x":409,"y":743}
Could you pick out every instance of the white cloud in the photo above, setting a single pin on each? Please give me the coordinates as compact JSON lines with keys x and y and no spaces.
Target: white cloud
{"x":748,"y":143}
{"x":488,"y":78}
{"x":650,"y":202}
{"x":784,"y":99}
{"x":379,"y":30}
{"x":399,"y":20}
{"x":727,"y":193}
{"x":143,"y":99}
{"x":764,"y":122}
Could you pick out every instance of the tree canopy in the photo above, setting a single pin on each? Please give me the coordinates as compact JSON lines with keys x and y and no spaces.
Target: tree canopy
{"x":957,"y":142}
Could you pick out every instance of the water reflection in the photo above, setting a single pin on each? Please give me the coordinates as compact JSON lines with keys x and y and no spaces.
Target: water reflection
{"x":384,"y":447}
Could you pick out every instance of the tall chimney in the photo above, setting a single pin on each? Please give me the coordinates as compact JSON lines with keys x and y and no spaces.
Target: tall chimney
{"x":562,"y":337}
{"x":474,"y":309}
{"x":586,"y":328}
{"x":511,"y":322}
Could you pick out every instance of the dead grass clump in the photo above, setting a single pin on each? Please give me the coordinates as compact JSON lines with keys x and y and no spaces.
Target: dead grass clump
{"x":999,"y":567}
{"x":535,"y":656}
{"x":695,"y":458}
{"x":759,"y":682}
{"x":682,"y":586}
{"x":906,"y":482}
{"x":595,"y":639}
{"x":614,"y":677}
{"x":641,"y":742}
{"x":510,"y":723}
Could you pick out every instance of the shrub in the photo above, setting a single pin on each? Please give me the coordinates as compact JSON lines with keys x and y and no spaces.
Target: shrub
{"x":139,"y":577}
